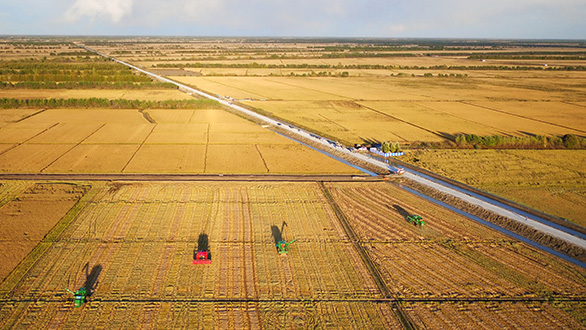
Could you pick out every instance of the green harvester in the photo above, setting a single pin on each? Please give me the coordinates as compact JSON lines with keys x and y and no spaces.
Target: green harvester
{"x":415,"y":219}
{"x":283,"y":246}
{"x":79,"y":296}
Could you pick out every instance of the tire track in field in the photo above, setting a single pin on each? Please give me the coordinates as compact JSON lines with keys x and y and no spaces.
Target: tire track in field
{"x":138,"y":149}
{"x":406,"y":322}
{"x":75,"y":146}
{"x":521,"y":116}
{"x":403,"y":121}
{"x":32,"y":137}
{"x":262,"y":158}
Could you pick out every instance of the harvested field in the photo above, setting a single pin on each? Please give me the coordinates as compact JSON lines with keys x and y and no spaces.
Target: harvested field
{"x":156,"y":227}
{"x":138,"y":239}
{"x":490,"y":316}
{"x":27,"y":214}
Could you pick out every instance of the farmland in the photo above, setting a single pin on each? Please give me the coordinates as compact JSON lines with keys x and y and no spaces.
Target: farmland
{"x":357,"y":263}
{"x":548,"y":180}
{"x":140,"y":238}
{"x":415,"y":95}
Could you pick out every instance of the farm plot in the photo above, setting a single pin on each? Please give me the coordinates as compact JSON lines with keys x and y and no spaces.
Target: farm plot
{"x":138,"y":239}
{"x":548,"y":180}
{"x":28,"y":212}
{"x":503,"y":315}
{"x":507,"y":118}
{"x":449,"y":256}
{"x":122,"y":140}
{"x":560,"y":114}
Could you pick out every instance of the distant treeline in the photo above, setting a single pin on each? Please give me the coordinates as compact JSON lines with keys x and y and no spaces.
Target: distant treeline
{"x":256,"y":65}
{"x":530,"y":55}
{"x":11,"y":103}
{"x":86,"y":85}
{"x":40,"y":64}
{"x":568,"y":141}
{"x":110,"y":76}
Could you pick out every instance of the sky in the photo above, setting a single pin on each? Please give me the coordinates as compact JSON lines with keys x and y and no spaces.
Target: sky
{"x":500,"y":19}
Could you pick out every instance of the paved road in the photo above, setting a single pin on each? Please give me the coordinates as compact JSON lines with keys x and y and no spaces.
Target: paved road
{"x":540,"y":225}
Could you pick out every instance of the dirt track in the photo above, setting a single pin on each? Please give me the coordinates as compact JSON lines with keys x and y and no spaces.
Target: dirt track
{"x":188,"y":177}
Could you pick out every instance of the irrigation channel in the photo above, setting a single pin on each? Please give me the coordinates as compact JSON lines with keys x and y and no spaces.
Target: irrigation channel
{"x":469,"y":195}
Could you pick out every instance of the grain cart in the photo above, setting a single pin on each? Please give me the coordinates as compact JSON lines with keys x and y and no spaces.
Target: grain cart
{"x":79,"y":296}
{"x":283,"y":246}
{"x":415,"y":219}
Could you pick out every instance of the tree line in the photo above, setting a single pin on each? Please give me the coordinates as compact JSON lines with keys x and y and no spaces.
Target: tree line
{"x":567,"y":141}
{"x":256,"y":65}
{"x":12,"y":103}
{"x":86,"y":85}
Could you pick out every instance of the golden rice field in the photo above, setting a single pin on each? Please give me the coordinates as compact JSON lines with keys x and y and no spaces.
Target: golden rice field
{"x":124,"y":141}
{"x":408,"y":109}
{"x":137,"y":241}
{"x":548,"y":180}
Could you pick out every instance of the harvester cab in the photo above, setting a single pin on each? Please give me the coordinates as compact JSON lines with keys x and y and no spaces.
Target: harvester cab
{"x":415,"y":220}
{"x":79,"y":296}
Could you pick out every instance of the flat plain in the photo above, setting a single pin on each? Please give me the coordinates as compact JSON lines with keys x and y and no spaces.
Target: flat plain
{"x":357,"y":263}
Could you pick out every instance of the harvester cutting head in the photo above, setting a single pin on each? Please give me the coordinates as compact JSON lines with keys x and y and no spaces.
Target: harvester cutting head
{"x":202,"y":257}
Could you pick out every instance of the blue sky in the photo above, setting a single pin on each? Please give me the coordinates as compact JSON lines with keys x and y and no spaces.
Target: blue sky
{"x":532,"y":19}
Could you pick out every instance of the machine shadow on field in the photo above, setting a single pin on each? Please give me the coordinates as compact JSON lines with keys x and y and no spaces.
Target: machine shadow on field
{"x":91,"y":279}
{"x":370,"y":141}
{"x":203,"y":244}
{"x":278,"y":233}
{"x":401,"y":211}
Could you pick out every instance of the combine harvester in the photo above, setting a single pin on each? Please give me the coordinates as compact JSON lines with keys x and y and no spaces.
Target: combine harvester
{"x":203,"y":255}
{"x":79,"y":296}
{"x":416,"y":220}
{"x":282,"y":245}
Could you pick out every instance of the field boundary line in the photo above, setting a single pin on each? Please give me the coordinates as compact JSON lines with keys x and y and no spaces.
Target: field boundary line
{"x":403,"y":318}
{"x":446,"y":300}
{"x":138,"y":177}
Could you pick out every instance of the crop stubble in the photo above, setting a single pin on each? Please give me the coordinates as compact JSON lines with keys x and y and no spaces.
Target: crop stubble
{"x":143,"y":237}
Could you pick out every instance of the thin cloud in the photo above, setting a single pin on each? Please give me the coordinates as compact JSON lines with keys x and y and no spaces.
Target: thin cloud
{"x":113,"y":10}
